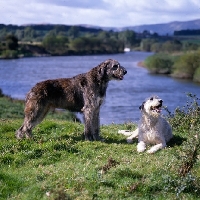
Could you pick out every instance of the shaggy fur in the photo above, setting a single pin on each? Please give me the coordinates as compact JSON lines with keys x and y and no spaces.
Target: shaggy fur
{"x":82,"y":93}
{"x":152,"y":129}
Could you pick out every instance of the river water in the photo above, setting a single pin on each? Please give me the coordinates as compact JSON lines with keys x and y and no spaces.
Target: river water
{"x":123,"y":98}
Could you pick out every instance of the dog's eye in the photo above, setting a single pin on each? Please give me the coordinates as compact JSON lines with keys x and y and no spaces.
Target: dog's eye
{"x":115,"y":67}
{"x":151,"y":98}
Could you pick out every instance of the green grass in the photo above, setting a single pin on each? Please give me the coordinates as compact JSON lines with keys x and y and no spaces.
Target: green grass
{"x":59,"y":164}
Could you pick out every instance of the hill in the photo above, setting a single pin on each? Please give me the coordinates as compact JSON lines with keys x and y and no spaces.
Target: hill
{"x":58,"y":164}
{"x":161,"y":29}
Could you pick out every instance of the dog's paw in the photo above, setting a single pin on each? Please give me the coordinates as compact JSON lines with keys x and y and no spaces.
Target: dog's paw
{"x":151,"y":151}
{"x":140,"y":150}
{"x":156,"y":148}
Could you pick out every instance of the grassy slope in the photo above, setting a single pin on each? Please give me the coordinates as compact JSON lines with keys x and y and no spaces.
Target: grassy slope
{"x":59,"y":164}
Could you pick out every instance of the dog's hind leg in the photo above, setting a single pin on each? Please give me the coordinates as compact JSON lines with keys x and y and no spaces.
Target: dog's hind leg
{"x":34,"y":114}
{"x":125,"y":132}
{"x":133,"y":135}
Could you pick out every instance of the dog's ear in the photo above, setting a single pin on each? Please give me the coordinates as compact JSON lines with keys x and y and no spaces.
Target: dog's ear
{"x":103,"y":67}
{"x":142,"y":106}
{"x":102,"y":71}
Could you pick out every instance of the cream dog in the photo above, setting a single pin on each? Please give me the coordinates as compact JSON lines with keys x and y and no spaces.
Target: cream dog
{"x":152,"y":129}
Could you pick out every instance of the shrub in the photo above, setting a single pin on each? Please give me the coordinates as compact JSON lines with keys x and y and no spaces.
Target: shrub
{"x":1,"y":93}
{"x":186,"y":121}
{"x":9,"y":54}
{"x":171,"y":46}
{"x":159,"y":64}
{"x":186,"y":65}
{"x":156,"y":47}
{"x":196,"y":76}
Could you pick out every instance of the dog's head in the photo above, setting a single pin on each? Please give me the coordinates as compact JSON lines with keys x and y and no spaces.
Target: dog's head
{"x":152,"y":106}
{"x":112,"y":70}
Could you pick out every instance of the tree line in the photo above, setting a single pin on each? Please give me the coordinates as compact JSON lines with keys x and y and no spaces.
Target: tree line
{"x":168,"y":44}
{"x":63,"y":40}
{"x":187,"y":32}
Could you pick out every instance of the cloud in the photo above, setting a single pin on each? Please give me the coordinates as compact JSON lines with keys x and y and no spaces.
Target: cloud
{"x":115,"y":13}
{"x":87,"y":4}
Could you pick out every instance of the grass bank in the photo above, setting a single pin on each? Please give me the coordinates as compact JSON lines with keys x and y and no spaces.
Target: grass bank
{"x":59,"y":164}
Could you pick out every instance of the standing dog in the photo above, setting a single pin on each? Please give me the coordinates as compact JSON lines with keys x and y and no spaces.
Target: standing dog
{"x":152,"y":129}
{"x":82,"y":93}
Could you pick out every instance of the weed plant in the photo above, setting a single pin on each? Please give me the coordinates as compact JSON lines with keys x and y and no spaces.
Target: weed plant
{"x":59,"y":164}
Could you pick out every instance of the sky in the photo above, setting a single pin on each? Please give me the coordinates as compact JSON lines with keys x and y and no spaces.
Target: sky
{"x":103,"y":13}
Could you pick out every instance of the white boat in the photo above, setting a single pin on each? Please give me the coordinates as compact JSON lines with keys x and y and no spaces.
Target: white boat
{"x":127,"y":49}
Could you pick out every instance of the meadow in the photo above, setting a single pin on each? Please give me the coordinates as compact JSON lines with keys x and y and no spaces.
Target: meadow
{"x":58,"y":164}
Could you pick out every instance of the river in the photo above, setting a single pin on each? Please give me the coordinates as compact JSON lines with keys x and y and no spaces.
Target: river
{"x":123,"y":98}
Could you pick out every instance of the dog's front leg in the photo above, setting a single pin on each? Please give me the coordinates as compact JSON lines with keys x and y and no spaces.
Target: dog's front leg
{"x":141,"y":147}
{"x":156,"y":147}
{"x":92,"y":124}
{"x":96,"y":124}
{"x":88,"y":131}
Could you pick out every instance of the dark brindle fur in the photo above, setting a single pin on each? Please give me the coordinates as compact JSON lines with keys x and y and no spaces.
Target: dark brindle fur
{"x":82,"y":93}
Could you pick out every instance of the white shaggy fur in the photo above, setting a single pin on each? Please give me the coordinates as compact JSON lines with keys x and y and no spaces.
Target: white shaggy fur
{"x":152,"y":129}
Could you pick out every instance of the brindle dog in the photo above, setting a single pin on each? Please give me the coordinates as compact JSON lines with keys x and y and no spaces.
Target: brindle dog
{"x":82,"y":93}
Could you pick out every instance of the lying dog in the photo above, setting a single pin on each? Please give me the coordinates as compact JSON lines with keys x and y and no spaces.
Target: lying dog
{"x":82,"y":93}
{"x":152,"y":129}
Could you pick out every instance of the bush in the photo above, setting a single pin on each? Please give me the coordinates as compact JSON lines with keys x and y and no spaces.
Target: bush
{"x":159,"y":64}
{"x":1,"y":93}
{"x":196,"y":76}
{"x":186,"y":121}
{"x":186,"y":65}
{"x":9,"y":54}
{"x":171,"y":46}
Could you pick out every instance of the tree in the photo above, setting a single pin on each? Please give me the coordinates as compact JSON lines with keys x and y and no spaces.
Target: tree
{"x":11,"y":42}
{"x":78,"y":44}
{"x":171,"y":46}
{"x":19,"y":34}
{"x":103,"y":35}
{"x":73,"y":32}
{"x":146,"y":44}
{"x":156,"y":47}
{"x":29,"y":33}
{"x":3,"y":32}
{"x":128,"y":37}
{"x":56,"y":44}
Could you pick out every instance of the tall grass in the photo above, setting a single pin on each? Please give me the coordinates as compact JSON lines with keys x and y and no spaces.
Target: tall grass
{"x":59,"y":164}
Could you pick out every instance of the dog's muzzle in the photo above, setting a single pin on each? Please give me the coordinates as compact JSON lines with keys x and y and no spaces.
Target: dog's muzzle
{"x":158,"y":107}
{"x":124,"y":70}
{"x":119,"y":73}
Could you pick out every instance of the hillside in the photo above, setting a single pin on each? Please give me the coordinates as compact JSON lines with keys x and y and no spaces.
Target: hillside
{"x":162,"y":29}
{"x":59,"y":164}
